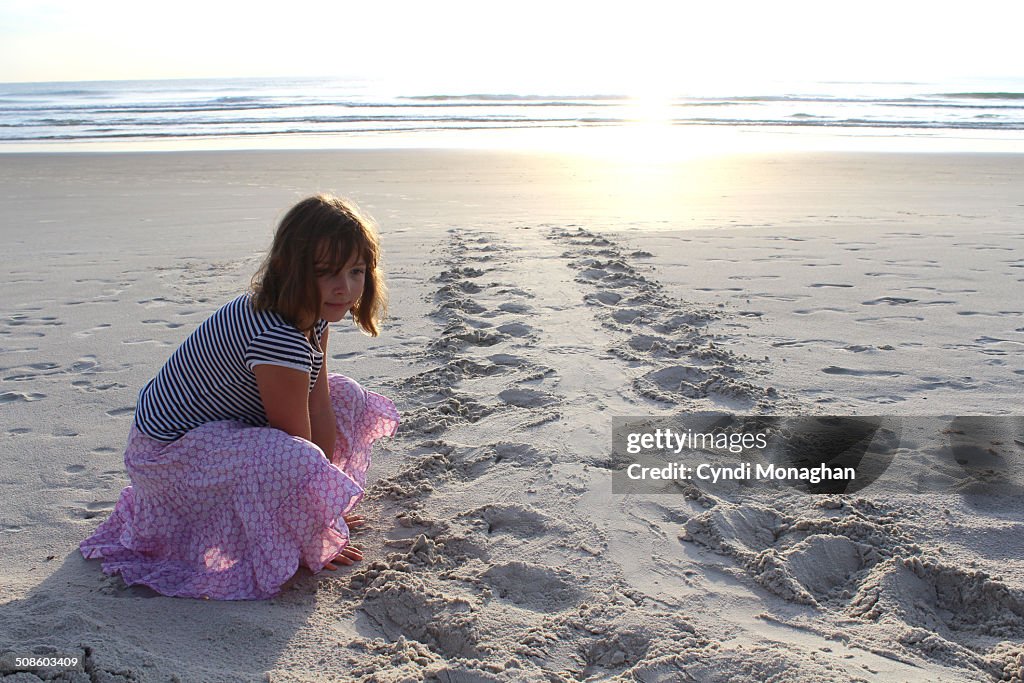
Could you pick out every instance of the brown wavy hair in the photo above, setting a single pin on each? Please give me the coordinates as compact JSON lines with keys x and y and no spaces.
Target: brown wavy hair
{"x":318,"y":236}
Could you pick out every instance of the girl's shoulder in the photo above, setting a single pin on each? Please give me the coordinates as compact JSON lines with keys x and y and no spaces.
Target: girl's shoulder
{"x":242,"y":311}
{"x":241,"y":314}
{"x":243,"y":306}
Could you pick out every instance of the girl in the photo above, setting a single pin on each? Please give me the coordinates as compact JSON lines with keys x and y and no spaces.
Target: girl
{"x":246,"y":457}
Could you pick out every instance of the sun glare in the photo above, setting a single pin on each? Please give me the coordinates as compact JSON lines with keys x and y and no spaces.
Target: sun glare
{"x":650,"y":134}
{"x":651,"y":108}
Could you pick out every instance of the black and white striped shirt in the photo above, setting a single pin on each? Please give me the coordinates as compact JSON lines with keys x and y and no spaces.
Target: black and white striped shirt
{"x":210,"y":377}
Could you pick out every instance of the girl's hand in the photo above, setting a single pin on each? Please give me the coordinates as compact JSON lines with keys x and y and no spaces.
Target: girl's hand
{"x":348,"y":556}
{"x":355,"y":521}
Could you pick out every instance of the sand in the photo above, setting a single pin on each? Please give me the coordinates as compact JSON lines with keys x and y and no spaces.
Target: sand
{"x":533,"y":299}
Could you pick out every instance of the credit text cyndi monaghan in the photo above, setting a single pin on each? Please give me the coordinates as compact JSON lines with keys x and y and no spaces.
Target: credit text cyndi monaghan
{"x":740,"y":471}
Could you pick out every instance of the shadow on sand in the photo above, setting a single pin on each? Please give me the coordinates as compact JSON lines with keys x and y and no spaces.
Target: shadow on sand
{"x":132,"y":633}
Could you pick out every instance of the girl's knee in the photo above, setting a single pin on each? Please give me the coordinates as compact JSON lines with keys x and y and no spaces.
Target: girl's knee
{"x":345,"y":392}
{"x":342,"y":383}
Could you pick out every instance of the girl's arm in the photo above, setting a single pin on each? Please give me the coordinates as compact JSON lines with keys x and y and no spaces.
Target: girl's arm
{"x":321,"y":415}
{"x":284,"y":393}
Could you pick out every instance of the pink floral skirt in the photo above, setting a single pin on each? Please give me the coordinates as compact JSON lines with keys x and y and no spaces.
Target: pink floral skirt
{"x":229,"y":511}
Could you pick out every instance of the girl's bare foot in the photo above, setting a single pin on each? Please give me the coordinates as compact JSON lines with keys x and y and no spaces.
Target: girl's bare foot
{"x":348,"y":556}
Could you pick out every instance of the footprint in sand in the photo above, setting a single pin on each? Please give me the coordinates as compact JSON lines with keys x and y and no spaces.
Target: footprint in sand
{"x":836,"y":370}
{"x":454,"y":288}
{"x":629,"y":316}
{"x":477,"y":461}
{"x":603,"y":297}
{"x":824,"y":564}
{"x":857,"y":348}
{"x":532,"y":586}
{"x":19,"y":396}
{"x":515,"y":329}
{"x":133,"y":341}
{"x":930,"y":383}
{"x":85,"y":364}
{"x":93,"y":510}
{"x":507,"y":359}
{"x":27,"y":372}
{"x":517,"y":520}
{"x":93,"y":330}
{"x":21,"y":320}
{"x":993,"y":315}
{"x":118,"y":412}
{"x":439,"y":416}
{"x":675,"y":377}
{"x":441,"y":621}
{"x":511,"y":307}
{"x":165,"y":323}
{"x":454,"y":274}
{"x":527,"y":398}
{"x":823,"y":309}
{"x":889,"y":300}
{"x":892,"y":318}
{"x":461,"y":336}
{"x":885,"y":400}
{"x":155,"y":302}
{"x":806,"y":342}
{"x":681,"y":322}
{"x":943,"y":593}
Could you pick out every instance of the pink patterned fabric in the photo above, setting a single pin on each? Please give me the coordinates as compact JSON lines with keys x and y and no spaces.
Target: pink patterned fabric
{"x":229,"y":511}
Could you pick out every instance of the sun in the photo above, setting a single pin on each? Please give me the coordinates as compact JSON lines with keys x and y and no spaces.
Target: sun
{"x":648,"y":126}
{"x":650,"y":108}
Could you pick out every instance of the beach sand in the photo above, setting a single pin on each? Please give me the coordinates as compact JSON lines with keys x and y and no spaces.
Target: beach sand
{"x":533,"y":298}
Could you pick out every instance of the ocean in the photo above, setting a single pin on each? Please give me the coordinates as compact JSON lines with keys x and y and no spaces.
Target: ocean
{"x":279,"y":112}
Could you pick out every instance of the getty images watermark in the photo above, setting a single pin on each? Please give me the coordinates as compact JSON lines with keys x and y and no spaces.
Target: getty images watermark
{"x":816,"y":454}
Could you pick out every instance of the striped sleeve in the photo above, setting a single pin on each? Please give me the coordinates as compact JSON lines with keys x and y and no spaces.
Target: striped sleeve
{"x":284,"y":346}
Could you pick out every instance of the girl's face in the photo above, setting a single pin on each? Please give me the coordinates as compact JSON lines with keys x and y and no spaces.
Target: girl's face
{"x":340,"y":289}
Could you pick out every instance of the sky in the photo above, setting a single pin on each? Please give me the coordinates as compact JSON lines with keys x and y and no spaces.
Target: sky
{"x":642,"y":46}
